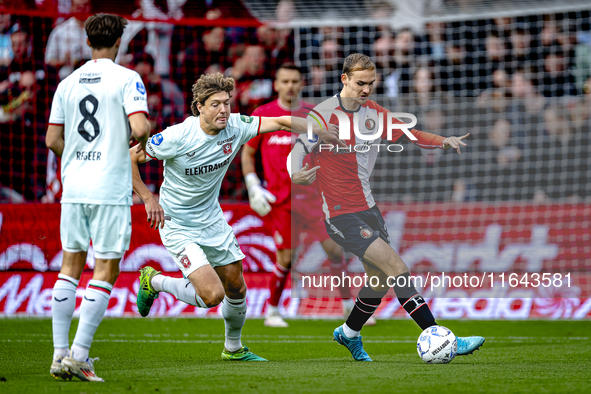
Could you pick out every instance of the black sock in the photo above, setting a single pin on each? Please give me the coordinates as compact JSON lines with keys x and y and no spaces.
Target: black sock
{"x":366,"y":304}
{"x":412,"y":302}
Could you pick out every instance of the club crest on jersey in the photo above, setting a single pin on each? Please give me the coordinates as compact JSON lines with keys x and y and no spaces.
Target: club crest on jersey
{"x":227,"y":148}
{"x":366,"y":233}
{"x":140,"y":87}
{"x":157,"y":139}
{"x":370,"y":124}
{"x":246,"y":119}
{"x":314,"y":139}
{"x":185,"y":261}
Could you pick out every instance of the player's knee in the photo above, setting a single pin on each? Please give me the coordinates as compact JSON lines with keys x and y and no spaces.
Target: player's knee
{"x":236,"y":289}
{"x":106,"y":271}
{"x":212,"y":297}
{"x":111,"y":275}
{"x":334,"y":253}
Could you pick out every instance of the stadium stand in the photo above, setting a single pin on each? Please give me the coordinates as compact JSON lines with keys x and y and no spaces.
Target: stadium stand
{"x":520,"y":85}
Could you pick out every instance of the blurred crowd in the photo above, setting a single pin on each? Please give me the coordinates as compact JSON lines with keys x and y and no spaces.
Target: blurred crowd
{"x":37,"y":53}
{"x":521,"y":86}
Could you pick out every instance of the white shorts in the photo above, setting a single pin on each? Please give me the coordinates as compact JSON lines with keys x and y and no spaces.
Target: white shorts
{"x":192,"y":248}
{"x":109,"y":227}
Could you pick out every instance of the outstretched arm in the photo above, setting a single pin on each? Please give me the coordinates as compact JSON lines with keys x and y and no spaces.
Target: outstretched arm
{"x":455,"y":142}
{"x":298,"y":125}
{"x":427,"y":140}
{"x":432,"y":141}
{"x":153,"y":208}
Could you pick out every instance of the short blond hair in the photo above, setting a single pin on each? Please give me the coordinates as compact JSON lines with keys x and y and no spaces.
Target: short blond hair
{"x":357,"y":62}
{"x":208,"y":85}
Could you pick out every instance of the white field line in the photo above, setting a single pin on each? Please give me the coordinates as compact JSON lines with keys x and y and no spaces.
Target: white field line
{"x":292,"y":337}
{"x":166,"y":338}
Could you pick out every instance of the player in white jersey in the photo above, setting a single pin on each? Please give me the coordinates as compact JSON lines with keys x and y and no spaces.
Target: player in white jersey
{"x":196,"y":156}
{"x":89,"y":126}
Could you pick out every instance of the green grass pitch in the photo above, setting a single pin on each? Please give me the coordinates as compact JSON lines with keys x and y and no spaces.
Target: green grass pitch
{"x":183,"y":355}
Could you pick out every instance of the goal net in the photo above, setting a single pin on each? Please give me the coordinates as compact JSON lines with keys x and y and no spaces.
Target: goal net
{"x":516,"y":76}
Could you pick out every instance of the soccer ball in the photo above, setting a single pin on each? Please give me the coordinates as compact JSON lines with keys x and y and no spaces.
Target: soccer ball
{"x":437,"y":345}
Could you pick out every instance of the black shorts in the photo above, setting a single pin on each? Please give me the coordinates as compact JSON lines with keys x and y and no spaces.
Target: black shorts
{"x":356,"y":231}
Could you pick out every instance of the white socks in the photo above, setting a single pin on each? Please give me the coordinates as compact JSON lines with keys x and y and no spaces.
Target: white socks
{"x":92,"y":310}
{"x":234,"y":313}
{"x":63,"y":303}
{"x":349,"y":333}
{"x":181,"y":288}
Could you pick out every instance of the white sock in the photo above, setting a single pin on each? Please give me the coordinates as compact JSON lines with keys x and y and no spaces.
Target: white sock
{"x":63,"y":303}
{"x":272,"y":310}
{"x":92,"y":310}
{"x":60,"y":353}
{"x":349,"y":333}
{"x":181,"y":288}
{"x":234,"y":313}
{"x":79,"y":353}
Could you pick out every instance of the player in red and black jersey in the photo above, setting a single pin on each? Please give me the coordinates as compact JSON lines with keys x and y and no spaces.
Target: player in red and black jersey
{"x":352,"y":218}
{"x":274,"y":202}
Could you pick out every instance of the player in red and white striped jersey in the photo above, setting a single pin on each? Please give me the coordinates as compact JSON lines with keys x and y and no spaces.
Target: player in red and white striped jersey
{"x":275,"y":202}
{"x":352,"y":217}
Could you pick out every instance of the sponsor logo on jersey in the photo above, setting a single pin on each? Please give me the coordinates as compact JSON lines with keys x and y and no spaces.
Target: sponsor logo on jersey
{"x":232,"y":138}
{"x":370,"y":124}
{"x":276,"y":140}
{"x":227,"y":149}
{"x":246,"y":119}
{"x":90,"y":77}
{"x":89,"y":80}
{"x":140,"y":98}
{"x":157,"y":139}
{"x":185,"y":261}
{"x":190,"y":155}
{"x":140,"y":87}
{"x":366,"y":233}
{"x":206,"y":168}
